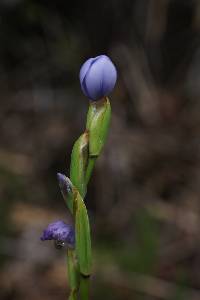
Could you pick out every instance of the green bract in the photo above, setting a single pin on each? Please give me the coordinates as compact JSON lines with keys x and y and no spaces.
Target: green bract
{"x":82,"y":236}
{"x":79,"y":161}
{"x":98,"y":121}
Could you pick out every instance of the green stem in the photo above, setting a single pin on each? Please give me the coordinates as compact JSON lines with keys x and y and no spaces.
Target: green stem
{"x":73,"y":275}
{"x":73,"y":295}
{"x":84,"y":288}
{"x":90,"y":166}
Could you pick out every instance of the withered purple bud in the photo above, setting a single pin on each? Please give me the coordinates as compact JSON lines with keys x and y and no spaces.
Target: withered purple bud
{"x":59,"y":232}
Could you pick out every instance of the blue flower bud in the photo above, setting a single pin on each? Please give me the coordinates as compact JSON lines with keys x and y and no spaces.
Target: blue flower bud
{"x":64,"y":184}
{"x":59,"y":232}
{"x":98,"y":76}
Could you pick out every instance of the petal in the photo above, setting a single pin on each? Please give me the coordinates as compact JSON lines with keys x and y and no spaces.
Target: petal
{"x":83,"y":71}
{"x":85,"y":67}
{"x":94,"y":78}
{"x":109,"y":77}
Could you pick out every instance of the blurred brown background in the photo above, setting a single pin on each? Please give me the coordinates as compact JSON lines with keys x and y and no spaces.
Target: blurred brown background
{"x":144,"y":196}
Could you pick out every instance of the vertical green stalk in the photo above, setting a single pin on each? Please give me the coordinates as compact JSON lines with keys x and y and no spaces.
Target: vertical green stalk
{"x":73,"y":295}
{"x":73,"y":274}
{"x":90,"y":167}
{"x":84,"y":288}
{"x":84,"y":154}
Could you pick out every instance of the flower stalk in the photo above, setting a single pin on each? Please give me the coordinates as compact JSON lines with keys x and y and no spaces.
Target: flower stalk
{"x":97,"y":77}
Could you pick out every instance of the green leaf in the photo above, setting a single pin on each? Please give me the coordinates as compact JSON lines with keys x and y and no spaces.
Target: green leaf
{"x":82,"y":236}
{"x":79,"y":160}
{"x":98,"y":121}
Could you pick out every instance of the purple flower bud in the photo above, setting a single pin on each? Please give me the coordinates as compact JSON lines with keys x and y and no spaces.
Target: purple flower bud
{"x":59,"y":232}
{"x":64,"y":183}
{"x":98,"y":76}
